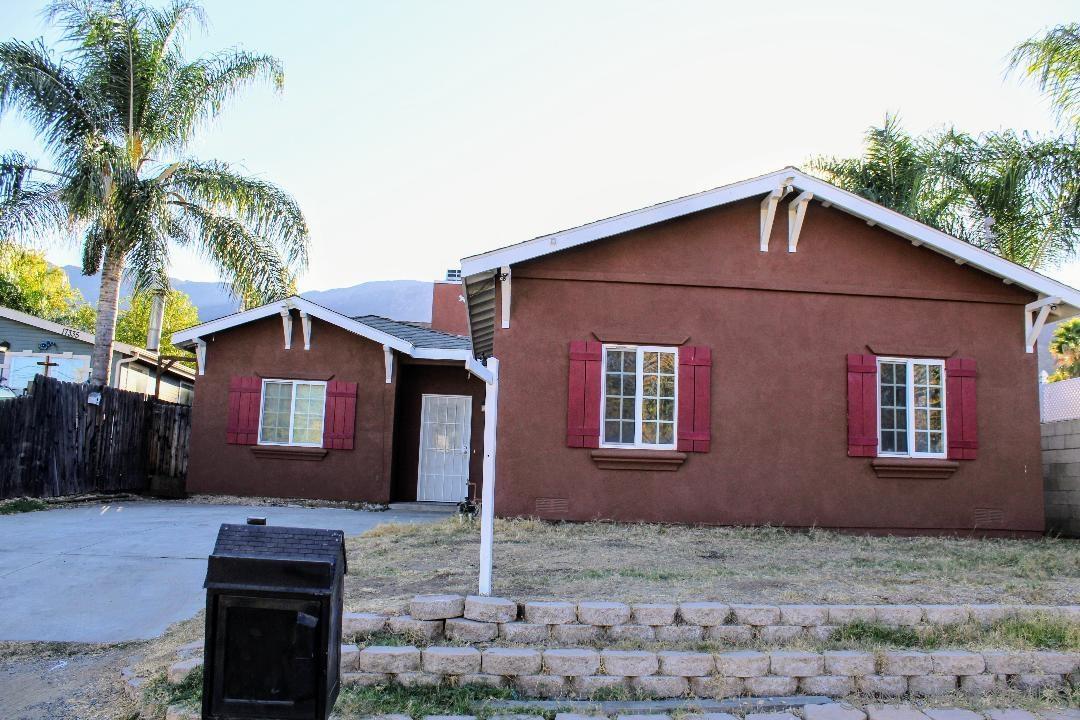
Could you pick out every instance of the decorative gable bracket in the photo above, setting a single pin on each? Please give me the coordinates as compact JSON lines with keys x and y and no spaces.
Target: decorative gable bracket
{"x":768,"y":210}
{"x":286,"y":326}
{"x":796,"y":213}
{"x":1035,"y":315}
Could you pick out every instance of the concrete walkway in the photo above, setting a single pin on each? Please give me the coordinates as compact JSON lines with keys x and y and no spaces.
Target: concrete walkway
{"x":127,"y":570}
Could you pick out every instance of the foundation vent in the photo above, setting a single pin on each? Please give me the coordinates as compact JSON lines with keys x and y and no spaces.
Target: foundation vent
{"x":989,"y":517}
{"x":552,"y":507}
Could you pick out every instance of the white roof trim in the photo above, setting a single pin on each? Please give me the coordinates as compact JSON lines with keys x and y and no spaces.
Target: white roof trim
{"x":325,"y":314}
{"x":823,"y":192}
{"x":83,"y":336}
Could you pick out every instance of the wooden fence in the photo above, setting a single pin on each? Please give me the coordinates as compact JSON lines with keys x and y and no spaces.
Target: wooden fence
{"x":55,"y":441}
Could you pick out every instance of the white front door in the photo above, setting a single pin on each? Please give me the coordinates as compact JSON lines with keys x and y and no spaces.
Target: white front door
{"x":445,"y":425}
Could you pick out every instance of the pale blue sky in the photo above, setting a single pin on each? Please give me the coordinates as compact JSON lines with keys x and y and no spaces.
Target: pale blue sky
{"x":414,"y":133}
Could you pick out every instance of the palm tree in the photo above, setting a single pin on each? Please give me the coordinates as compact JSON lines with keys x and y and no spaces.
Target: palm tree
{"x":115,"y":114}
{"x":1065,"y":346}
{"x":1053,"y":62}
{"x":1005,"y":192}
{"x":893,"y":171}
{"x":1014,"y":195}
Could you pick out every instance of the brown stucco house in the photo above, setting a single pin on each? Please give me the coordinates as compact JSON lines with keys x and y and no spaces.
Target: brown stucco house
{"x":774,"y":351}
{"x":300,"y":401}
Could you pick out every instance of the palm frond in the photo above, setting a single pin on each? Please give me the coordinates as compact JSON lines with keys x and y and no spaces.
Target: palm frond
{"x":1053,"y":62}
{"x":265,"y":209}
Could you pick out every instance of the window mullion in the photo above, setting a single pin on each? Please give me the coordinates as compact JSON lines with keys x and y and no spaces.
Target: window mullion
{"x":639,"y":364}
{"x":292,"y":410}
{"x":910,"y":410}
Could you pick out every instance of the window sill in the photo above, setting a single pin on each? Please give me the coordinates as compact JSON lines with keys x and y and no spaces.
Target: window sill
{"x":661,"y":460}
{"x":914,"y":468}
{"x":284,"y":452}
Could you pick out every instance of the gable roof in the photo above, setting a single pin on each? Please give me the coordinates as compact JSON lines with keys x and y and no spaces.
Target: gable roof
{"x":143,"y":354}
{"x":415,"y":333}
{"x":408,"y":338}
{"x":479,"y":271}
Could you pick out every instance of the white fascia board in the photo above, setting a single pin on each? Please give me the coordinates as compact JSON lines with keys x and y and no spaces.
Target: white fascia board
{"x":555,"y":242}
{"x":229,"y":321}
{"x":935,"y":239}
{"x":34,"y":321}
{"x":298,"y":303}
{"x":826,"y":193}
{"x":441,"y":354}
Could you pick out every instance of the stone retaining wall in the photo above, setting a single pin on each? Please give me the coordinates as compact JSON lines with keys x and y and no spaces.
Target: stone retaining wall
{"x":486,"y":619}
{"x":576,"y":672}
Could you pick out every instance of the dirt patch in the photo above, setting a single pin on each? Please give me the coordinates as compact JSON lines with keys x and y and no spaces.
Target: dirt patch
{"x":640,"y":562}
{"x":58,"y":681}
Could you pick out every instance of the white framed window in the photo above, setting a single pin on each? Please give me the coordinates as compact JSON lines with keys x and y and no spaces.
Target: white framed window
{"x":291,"y":412}
{"x":19,"y":368}
{"x":640,"y":391}
{"x":911,"y":407}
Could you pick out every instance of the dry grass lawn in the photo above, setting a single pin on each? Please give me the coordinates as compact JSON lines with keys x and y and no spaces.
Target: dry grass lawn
{"x":639,"y":562}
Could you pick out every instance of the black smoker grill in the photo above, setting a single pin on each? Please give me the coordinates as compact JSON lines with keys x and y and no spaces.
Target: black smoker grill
{"x":273,"y":622}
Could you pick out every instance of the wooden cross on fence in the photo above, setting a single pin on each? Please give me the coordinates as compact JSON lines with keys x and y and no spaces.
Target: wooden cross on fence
{"x":47,"y":364}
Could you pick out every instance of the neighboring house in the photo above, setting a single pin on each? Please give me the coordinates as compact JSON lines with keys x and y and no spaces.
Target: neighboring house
{"x":30,"y":346}
{"x":296,"y":400}
{"x":776,"y":351}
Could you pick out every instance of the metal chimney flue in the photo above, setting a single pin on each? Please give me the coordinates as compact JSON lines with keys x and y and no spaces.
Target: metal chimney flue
{"x":157,"y":320}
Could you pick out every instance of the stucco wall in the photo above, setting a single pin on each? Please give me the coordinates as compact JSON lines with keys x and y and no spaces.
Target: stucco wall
{"x":1061,"y":476}
{"x":779,"y":325}
{"x":258,"y":349}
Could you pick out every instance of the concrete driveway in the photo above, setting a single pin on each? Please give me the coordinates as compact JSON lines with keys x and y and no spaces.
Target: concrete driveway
{"x":128,"y":570}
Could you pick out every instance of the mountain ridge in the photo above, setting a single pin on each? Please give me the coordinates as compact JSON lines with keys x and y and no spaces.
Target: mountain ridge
{"x":394,"y":299}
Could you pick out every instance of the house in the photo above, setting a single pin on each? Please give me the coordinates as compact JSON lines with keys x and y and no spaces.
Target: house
{"x":775,"y":351}
{"x":296,"y":400}
{"x":30,"y":346}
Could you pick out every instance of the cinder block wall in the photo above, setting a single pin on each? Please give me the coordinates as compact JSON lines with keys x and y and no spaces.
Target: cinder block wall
{"x":1061,"y":476}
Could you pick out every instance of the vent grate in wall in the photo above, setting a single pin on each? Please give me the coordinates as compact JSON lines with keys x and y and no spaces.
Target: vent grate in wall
{"x":552,"y":507}
{"x":989,"y":517}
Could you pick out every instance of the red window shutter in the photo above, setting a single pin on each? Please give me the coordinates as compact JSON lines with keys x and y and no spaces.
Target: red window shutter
{"x":584,"y":395}
{"x":960,"y":423}
{"x":339,"y":422}
{"x":695,"y":398}
{"x":245,"y":397}
{"x":862,"y":409}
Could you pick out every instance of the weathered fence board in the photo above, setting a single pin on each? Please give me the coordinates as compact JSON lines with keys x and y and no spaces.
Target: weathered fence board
{"x":53,"y":441}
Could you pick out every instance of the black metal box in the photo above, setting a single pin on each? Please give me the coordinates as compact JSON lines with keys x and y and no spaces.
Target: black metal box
{"x":273,"y":622}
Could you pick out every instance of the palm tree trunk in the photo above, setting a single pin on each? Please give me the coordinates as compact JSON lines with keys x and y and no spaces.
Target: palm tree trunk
{"x":112,"y":270}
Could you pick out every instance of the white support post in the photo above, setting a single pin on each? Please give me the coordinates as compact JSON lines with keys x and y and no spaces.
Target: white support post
{"x":200,"y":355}
{"x":286,"y":326}
{"x":796,"y":214}
{"x":1035,"y":315}
{"x":768,"y":211}
{"x":388,"y":361}
{"x":505,"y":276}
{"x":305,"y":321}
{"x":487,"y":494}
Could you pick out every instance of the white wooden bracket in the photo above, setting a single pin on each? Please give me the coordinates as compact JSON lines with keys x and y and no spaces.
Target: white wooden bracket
{"x":504,"y":275}
{"x":768,"y":211}
{"x":796,"y":213}
{"x":200,"y":355}
{"x":1035,"y":315}
{"x":305,"y":322}
{"x":286,"y":326}
{"x":388,"y":361}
